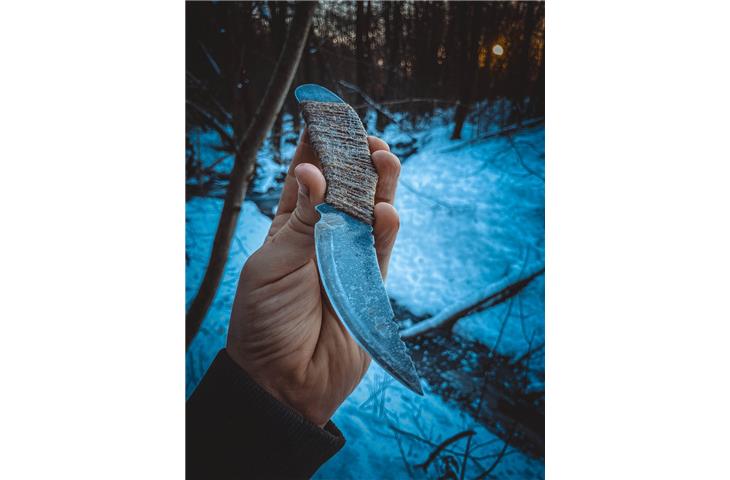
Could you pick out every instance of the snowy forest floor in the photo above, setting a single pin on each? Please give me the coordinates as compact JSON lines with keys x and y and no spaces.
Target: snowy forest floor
{"x":472,"y":213}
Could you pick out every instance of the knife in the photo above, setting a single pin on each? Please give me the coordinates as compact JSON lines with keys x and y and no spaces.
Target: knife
{"x":343,"y":236}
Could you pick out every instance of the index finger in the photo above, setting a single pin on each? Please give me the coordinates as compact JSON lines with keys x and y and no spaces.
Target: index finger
{"x":388,"y":168}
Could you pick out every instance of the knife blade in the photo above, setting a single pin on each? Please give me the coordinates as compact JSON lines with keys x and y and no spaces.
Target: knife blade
{"x":344,"y":242}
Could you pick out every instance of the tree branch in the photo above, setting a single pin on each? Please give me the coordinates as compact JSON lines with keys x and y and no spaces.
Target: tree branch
{"x":407,"y":101}
{"x":440,"y":448}
{"x":369,"y":100}
{"x":226,"y":138}
{"x":521,"y":160}
{"x":499,"y":458}
{"x":512,"y":129}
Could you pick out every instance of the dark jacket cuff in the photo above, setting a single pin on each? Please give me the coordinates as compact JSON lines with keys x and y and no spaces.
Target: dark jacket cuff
{"x":236,"y":429}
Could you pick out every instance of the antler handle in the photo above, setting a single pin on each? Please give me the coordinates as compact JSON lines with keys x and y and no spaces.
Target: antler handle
{"x":340,"y":141}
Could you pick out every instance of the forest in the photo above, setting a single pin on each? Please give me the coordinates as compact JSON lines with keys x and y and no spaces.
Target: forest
{"x":457,"y":91}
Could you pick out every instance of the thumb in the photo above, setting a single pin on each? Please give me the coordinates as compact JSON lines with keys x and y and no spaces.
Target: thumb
{"x":312,"y":187}
{"x":293,"y":244}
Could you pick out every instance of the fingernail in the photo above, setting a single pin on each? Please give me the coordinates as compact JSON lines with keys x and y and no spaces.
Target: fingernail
{"x":303,"y":188}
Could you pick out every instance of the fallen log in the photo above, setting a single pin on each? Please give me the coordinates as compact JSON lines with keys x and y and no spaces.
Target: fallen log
{"x":495,"y":293}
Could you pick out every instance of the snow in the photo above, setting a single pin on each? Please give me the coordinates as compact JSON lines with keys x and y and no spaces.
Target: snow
{"x":468,"y":217}
{"x":471,"y":211}
{"x":268,"y":171}
{"x":372,"y":448}
{"x":207,"y":147}
{"x":202,"y":216}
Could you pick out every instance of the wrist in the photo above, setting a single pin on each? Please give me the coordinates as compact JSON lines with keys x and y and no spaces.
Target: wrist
{"x":292,"y":398}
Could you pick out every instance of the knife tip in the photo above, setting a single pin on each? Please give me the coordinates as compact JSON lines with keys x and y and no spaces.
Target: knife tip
{"x":412,"y":382}
{"x":418,"y":389}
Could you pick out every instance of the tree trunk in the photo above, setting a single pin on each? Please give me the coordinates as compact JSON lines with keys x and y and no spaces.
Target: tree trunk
{"x":470,"y":81}
{"x":462,"y":65}
{"x":393,"y":30}
{"x":245,"y":163}
{"x":362,"y":53}
{"x":243,"y":96}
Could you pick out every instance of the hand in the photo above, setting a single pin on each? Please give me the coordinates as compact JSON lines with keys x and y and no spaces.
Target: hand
{"x":283,"y":331}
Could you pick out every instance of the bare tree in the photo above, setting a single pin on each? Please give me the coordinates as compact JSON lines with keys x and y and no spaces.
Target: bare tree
{"x":469,"y":66}
{"x":245,"y":163}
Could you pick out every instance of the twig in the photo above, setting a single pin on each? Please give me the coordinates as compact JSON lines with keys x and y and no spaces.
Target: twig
{"x":211,"y":60}
{"x":435,"y":201}
{"x":502,"y":326}
{"x":468,"y":442}
{"x":211,"y":97}
{"x":412,"y":435}
{"x":529,"y":353}
{"x":369,"y":100}
{"x":409,"y":100}
{"x":486,"y":473}
{"x":216,"y":162}
{"x":440,"y":448}
{"x":521,"y":160}
{"x":509,"y":312}
{"x":403,"y":456}
{"x":226,"y":138}
{"x":420,"y":438}
{"x":522,"y":321}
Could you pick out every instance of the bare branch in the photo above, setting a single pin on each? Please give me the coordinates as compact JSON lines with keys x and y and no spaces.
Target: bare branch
{"x":522,"y":160}
{"x":407,"y":101}
{"x":499,"y":458}
{"x":501,"y":133}
{"x":369,"y":100}
{"x":211,"y":60}
{"x":226,"y":138}
{"x":529,"y":353}
{"x":403,"y":455}
{"x":440,"y":448}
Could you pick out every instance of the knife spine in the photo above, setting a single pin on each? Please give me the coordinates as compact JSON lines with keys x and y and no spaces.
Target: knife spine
{"x":340,"y":142}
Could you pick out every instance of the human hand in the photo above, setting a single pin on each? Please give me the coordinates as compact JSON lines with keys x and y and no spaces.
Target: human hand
{"x":283,"y":331}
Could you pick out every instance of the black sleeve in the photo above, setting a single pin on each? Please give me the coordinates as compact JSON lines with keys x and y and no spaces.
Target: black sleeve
{"x":235,"y":429}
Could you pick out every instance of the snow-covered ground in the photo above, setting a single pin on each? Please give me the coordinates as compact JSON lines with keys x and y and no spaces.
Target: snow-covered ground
{"x":469,"y":216}
{"x":471,"y":211}
{"x":381,"y":421}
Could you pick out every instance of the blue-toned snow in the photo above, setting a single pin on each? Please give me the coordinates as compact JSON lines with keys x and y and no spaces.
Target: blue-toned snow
{"x":470,"y":211}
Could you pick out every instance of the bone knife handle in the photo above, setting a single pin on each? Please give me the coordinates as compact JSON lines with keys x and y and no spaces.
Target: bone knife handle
{"x":340,"y":142}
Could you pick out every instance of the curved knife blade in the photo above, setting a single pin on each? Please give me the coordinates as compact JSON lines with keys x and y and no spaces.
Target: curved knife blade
{"x":350,"y":275}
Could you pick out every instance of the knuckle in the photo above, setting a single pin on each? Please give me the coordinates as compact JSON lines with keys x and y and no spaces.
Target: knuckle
{"x":300,"y":224}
